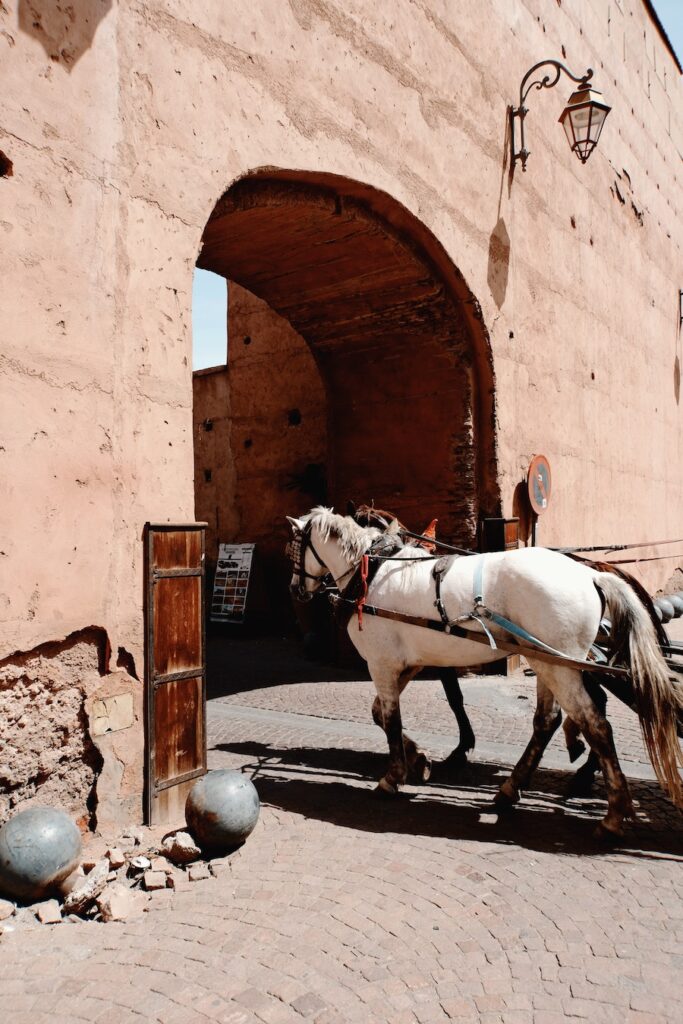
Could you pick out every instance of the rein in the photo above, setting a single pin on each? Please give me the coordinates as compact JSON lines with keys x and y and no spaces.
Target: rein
{"x":510,"y":647}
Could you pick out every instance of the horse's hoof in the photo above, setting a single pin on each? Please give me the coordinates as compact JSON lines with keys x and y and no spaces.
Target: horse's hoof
{"x":607,"y":835}
{"x":503,"y":803}
{"x":575,"y":750}
{"x":420,"y":769}
{"x":386,"y":789}
{"x":456,"y":760}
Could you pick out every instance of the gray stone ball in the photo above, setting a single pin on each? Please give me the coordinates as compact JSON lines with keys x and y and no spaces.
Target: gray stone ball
{"x":677,"y":601}
{"x":222,"y":809}
{"x":39,"y":847}
{"x":666,"y":608}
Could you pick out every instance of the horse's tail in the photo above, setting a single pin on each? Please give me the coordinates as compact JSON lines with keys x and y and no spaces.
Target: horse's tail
{"x":658,"y":697}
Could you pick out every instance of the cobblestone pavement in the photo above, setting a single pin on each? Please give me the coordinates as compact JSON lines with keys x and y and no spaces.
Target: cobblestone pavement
{"x":342,"y":907}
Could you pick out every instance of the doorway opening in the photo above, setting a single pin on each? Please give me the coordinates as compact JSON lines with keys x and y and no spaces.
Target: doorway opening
{"x":358,"y":368}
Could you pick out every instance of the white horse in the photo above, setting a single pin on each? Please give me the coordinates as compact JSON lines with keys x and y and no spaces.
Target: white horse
{"x":552,"y":597}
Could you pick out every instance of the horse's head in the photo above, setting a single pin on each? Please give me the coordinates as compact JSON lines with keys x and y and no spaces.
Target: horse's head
{"x":308,"y":569}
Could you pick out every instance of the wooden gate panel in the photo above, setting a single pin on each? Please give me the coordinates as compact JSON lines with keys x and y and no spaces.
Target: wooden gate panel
{"x":178,"y":623}
{"x":178,"y":729}
{"x":175,"y":670}
{"x":178,"y":550}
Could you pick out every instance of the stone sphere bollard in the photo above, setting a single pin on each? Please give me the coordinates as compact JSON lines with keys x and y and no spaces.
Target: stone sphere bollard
{"x":38,"y":848}
{"x":666,"y":608}
{"x":222,"y":809}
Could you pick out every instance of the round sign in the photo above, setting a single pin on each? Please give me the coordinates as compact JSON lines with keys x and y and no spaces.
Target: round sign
{"x":539,"y":483}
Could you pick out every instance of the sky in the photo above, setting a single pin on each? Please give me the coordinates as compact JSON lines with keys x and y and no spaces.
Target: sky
{"x":209,"y":320}
{"x":209,"y":293}
{"x":671,"y":16}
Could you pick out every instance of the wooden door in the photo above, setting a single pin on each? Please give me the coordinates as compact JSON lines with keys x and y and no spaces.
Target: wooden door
{"x":175,"y":667}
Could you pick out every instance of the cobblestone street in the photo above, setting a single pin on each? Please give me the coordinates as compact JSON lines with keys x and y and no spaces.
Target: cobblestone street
{"x":342,"y":907}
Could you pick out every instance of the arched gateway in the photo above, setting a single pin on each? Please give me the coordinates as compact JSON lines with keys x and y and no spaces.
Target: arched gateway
{"x":396,"y":334}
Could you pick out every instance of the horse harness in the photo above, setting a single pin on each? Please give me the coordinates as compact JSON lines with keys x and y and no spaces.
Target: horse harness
{"x":352,"y":599}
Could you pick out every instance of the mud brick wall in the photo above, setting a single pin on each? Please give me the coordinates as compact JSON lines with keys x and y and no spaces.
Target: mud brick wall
{"x":126,"y":132}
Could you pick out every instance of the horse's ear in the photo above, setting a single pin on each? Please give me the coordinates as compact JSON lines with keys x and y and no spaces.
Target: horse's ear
{"x":351,"y":509}
{"x":296,"y":524}
{"x":393,"y":527}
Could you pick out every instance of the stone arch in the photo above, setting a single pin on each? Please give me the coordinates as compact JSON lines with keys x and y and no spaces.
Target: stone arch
{"x":397,"y":336}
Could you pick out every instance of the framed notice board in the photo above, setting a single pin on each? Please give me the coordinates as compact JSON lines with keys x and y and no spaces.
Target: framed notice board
{"x":231,"y":582}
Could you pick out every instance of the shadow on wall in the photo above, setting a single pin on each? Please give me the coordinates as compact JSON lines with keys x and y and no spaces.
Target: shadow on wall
{"x":499,"y":262}
{"x":64,"y":30}
{"x":522,"y":509}
{"x":677,"y":380}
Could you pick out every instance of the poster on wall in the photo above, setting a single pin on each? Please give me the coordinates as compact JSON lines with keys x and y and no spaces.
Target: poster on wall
{"x":231,"y":582}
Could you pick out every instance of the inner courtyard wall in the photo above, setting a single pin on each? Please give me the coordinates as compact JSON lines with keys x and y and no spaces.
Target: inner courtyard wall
{"x":124,"y":124}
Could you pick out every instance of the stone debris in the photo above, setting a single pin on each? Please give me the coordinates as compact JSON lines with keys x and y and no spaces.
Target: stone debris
{"x":116,"y":858}
{"x":7,"y":908}
{"x":154,"y":880}
{"x":86,"y":892}
{"x":48,"y":912}
{"x":161,"y":864}
{"x":119,"y":903}
{"x":71,"y":881}
{"x":133,"y":833}
{"x":119,"y":886}
{"x":198,"y":872}
{"x":180,"y":848}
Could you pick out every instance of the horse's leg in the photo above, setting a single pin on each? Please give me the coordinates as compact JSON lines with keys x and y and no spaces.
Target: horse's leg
{"x":547,"y":718}
{"x":388,"y":693}
{"x":572,"y":738}
{"x":567,"y":685}
{"x":419,"y":764}
{"x":451,"y":686}
{"x":583,"y":781}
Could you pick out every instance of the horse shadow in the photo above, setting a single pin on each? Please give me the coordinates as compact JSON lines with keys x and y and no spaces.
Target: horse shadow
{"x":332,"y":784}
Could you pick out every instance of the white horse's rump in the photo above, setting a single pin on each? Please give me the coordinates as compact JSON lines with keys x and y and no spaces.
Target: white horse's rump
{"x":550,"y":596}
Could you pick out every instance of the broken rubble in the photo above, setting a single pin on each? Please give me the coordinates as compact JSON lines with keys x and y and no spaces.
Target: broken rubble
{"x":7,"y":908}
{"x":48,"y":912}
{"x":161,"y":864}
{"x":71,"y":881}
{"x":154,"y":880}
{"x":180,"y":848}
{"x":116,"y":858}
{"x":119,"y":903}
{"x":87,"y":891}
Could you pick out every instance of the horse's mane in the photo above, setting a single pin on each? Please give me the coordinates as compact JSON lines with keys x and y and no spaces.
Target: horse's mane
{"x":354,"y":540}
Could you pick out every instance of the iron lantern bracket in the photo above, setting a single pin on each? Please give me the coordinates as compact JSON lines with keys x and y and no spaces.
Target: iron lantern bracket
{"x":528,"y":83}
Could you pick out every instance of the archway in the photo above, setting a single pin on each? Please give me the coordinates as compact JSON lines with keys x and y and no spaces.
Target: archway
{"x":397,"y":338}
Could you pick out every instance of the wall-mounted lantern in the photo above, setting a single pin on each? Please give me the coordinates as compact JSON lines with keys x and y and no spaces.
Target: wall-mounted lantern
{"x":582,"y":118}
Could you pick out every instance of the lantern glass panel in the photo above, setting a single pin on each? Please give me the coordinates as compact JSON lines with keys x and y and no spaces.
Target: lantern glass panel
{"x":568,"y":129}
{"x":597,"y":121}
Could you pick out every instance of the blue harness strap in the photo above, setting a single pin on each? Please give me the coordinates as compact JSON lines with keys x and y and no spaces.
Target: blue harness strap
{"x":481,"y":612}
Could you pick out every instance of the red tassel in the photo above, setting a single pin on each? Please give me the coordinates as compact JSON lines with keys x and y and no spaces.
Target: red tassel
{"x":364,"y":565}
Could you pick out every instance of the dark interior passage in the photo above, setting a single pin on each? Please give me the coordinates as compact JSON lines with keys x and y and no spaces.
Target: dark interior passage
{"x":381,"y":399}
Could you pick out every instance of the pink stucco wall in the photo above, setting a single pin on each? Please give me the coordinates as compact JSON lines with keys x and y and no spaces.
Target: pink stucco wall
{"x":126,"y":126}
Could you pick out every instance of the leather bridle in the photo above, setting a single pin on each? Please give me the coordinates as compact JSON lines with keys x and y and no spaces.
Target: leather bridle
{"x":296,"y":551}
